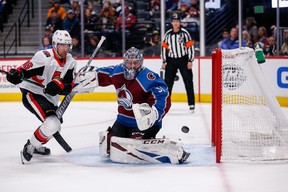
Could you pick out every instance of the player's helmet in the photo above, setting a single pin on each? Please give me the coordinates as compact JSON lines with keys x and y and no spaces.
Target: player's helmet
{"x":133,"y":63}
{"x":63,"y":37}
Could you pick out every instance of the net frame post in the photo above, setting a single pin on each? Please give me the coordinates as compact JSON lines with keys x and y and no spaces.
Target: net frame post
{"x":216,"y":136}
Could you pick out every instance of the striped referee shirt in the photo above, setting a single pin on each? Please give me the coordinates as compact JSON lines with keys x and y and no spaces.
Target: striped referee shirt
{"x":177,"y":45}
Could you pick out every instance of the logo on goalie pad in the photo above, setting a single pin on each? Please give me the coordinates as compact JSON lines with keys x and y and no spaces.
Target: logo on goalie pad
{"x":153,"y":141}
{"x":232,"y":76}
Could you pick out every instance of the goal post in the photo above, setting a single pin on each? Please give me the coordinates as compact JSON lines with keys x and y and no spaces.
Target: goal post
{"x":248,"y":123}
{"x":216,"y":102}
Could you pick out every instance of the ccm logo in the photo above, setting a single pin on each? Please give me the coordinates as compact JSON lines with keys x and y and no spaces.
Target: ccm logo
{"x":153,"y":141}
{"x":282,"y":77}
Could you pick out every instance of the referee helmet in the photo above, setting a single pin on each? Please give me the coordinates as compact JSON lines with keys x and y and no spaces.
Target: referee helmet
{"x":176,"y":16}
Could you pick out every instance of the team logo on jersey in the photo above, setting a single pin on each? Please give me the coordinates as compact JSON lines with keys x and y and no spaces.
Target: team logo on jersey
{"x":46,"y":53}
{"x":151,"y":76}
{"x":232,"y":76}
{"x":124,"y":97}
{"x":56,"y":74}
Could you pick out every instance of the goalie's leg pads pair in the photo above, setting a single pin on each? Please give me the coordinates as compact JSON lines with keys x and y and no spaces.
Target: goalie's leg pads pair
{"x":141,"y":151}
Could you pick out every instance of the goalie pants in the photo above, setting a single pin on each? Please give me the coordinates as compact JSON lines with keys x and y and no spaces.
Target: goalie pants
{"x":120,"y":130}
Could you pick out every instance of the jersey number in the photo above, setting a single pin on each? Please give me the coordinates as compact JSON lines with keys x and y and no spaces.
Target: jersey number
{"x":27,"y":65}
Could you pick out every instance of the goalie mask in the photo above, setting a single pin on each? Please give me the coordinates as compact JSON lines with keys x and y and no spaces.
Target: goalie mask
{"x":133,"y":63}
{"x":61,"y":37}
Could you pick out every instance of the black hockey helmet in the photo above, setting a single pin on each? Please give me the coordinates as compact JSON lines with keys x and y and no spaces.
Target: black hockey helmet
{"x":175,"y":16}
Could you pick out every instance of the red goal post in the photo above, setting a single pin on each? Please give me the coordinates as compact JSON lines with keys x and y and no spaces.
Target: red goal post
{"x":216,"y":102}
{"x":248,"y":123}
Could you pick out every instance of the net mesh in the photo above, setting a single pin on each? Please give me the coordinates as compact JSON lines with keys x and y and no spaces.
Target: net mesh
{"x":254,"y":126}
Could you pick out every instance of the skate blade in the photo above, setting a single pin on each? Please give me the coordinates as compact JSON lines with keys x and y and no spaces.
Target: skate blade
{"x":41,"y":154}
{"x":23,"y":160}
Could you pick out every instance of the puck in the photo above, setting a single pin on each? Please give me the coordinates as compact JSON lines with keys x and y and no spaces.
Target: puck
{"x":185,"y":129}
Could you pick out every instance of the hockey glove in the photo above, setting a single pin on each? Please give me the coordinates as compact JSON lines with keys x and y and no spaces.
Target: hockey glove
{"x":14,"y":76}
{"x":54,"y":87}
{"x":145,"y":115}
{"x":86,"y":82}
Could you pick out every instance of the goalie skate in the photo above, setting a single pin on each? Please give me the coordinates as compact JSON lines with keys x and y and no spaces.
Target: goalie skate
{"x":185,"y":156}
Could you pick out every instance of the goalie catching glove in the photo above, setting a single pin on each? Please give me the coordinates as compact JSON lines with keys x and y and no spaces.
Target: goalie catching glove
{"x":145,"y":115}
{"x":86,"y":82}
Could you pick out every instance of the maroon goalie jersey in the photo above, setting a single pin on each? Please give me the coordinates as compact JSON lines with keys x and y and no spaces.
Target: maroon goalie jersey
{"x":147,"y":87}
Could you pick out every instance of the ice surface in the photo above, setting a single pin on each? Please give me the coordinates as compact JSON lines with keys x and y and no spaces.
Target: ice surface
{"x":84,"y":170}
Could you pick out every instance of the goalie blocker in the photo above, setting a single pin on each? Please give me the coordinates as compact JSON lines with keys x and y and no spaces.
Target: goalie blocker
{"x":145,"y":115}
{"x":141,"y":151}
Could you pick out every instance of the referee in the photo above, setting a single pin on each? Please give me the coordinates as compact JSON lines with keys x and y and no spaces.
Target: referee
{"x":178,"y":53}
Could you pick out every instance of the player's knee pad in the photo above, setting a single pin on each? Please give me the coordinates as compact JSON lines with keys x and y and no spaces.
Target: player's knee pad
{"x":50,"y":126}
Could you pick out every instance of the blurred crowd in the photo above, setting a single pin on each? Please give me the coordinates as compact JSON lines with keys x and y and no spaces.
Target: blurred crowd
{"x":255,"y":35}
{"x":105,"y":16}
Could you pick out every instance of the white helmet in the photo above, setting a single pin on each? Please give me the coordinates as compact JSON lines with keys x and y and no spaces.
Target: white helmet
{"x":63,"y":37}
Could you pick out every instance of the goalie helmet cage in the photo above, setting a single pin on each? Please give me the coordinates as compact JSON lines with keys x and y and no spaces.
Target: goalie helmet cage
{"x":248,"y":124}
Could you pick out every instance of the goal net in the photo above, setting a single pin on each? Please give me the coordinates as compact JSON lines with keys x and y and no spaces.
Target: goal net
{"x":248,"y":123}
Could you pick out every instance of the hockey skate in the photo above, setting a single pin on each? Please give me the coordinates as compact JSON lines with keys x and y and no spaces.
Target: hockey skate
{"x":192,"y":108}
{"x":42,"y":151}
{"x":184,"y":157}
{"x":28,"y":151}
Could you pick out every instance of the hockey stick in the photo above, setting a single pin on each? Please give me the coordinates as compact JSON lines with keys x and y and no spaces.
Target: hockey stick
{"x":67,"y":99}
{"x":23,"y":79}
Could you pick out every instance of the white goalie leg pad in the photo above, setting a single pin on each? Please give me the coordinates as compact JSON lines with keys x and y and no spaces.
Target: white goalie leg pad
{"x":145,"y":115}
{"x":104,"y":143}
{"x":86,"y":82}
{"x":143,"y":151}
